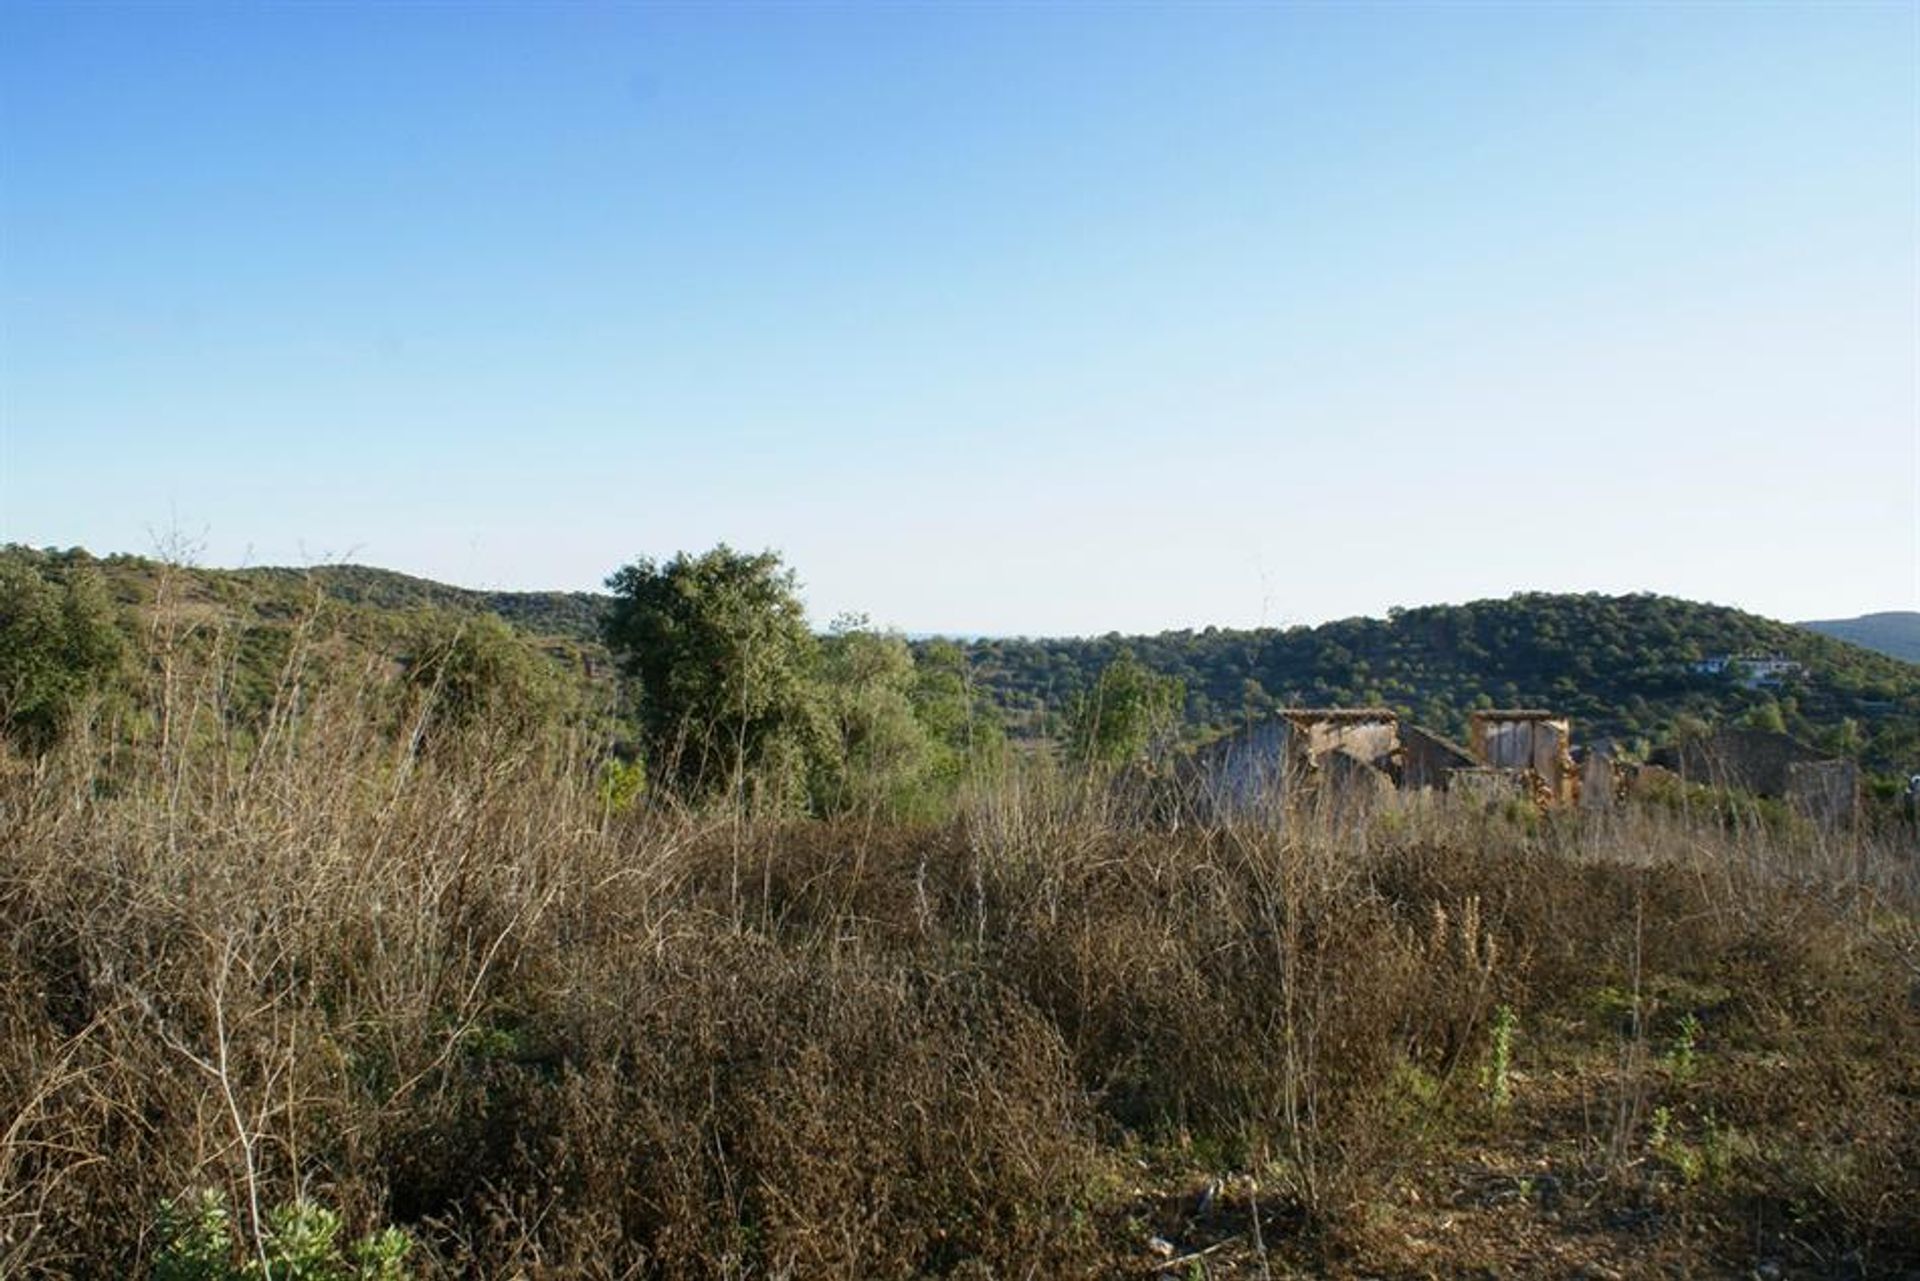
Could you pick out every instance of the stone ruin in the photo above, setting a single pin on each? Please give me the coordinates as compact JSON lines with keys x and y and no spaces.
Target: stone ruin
{"x":1352,"y":757}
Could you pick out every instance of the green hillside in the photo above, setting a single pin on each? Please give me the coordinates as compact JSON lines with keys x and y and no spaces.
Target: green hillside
{"x":1895,"y":633}
{"x":576,"y":615}
{"x":1621,"y":666}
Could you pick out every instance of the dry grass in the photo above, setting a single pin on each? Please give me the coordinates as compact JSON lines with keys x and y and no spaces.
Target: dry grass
{"x":443,"y":987}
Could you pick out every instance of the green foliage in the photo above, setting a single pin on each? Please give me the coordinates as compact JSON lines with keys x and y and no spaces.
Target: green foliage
{"x":475,"y":669}
{"x":621,"y":784}
{"x":1129,"y":713}
{"x":579,"y":616}
{"x":903,"y":735}
{"x":58,"y":645}
{"x":879,"y":753}
{"x":719,"y":646}
{"x":1683,"y":1054}
{"x":299,"y":1242}
{"x":964,"y":731}
{"x":1500,"y":1057}
{"x":196,"y":1240}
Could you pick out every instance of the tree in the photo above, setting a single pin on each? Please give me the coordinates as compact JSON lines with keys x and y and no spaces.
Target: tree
{"x":1130,"y":713}
{"x":962,"y":724}
{"x":476,"y":670}
{"x":880,"y":750}
{"x":719,"y":646}
{"x":58,"y":645}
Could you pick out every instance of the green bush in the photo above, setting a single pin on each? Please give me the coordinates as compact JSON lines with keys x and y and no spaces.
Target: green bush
{"x":300,"y":1242}
{"x":58,"y":645}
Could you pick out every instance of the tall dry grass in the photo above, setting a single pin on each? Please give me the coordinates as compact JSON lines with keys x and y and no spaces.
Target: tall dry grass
{"x":434,"y":981}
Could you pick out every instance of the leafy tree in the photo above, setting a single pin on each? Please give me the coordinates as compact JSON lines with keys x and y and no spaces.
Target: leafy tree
{"x":963,"y":727}
{"x":58,"y":645}
{"x":719,"y":646}
{"x":1130,"y":712}
{"x":475,"y":669}
{"x":880,"y":752}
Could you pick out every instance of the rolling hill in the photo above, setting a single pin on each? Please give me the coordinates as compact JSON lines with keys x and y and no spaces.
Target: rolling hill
{"x":1895,"y":633}
{"x":1623,"y":667}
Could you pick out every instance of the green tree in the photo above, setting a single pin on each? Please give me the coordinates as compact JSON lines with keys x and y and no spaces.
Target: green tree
{"x":474,"y":669}
{"x":719,"y":646}
{"x":880,"y":752}
{"x":964,"y":729}
{"x":58,"y":645}
{"x":1130,"y":713}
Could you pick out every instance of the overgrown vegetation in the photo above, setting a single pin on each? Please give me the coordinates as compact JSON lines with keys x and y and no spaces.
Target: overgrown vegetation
{"x":351,"y":954}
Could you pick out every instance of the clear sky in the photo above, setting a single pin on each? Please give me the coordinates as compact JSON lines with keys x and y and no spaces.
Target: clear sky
{"x":992,"y":317}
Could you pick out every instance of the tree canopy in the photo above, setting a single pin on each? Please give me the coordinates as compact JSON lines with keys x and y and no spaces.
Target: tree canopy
{"x":58,"y":644}
{"x":719,"y":646}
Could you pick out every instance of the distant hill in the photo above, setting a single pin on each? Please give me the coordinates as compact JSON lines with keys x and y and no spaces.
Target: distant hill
{"x":1623,"y":667}
{"x":575,"y":615}
{"x":1895,"y":633}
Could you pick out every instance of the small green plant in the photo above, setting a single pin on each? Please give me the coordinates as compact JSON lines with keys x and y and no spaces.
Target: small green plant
{"x":1675,"y":1151}
{"x":382,"y":1255}
{"x":1660,"y":1128}
{"x":1709,"y":1161}
{"x":196,"y":1239}
{"x":303,"y":1243}
{"x":621,"y":783}
{"x":1500,"y":1057}
{"x":300,"y":1242}
{"x":1682,"y":1055}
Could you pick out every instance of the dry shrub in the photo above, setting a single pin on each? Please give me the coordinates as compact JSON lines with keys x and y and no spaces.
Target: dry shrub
{"x":761,"y":1112}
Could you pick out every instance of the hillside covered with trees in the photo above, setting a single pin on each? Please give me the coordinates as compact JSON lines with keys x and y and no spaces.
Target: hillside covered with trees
{"x":1623,"y":667}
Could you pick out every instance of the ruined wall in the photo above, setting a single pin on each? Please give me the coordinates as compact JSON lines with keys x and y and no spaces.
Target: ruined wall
{"x":1241,"y":775}
{"x":1489,"y":784}
{"x":1748,"y":760}
{"x":1371,"y":739}
{"x":1349,"y":785}
{"x":1600,"y":783}
{"x":1426,"y":759}
{"x":1256,"y":772}
{"x":1528,"y":742}
{"x":1825,"y":792}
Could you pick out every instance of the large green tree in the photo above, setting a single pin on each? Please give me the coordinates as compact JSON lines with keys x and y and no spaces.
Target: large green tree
{"x":58,"y":644}
{"x":719,"y":646}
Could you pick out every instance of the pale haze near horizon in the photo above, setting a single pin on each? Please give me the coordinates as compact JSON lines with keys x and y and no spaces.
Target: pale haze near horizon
{"x":991,"y":319}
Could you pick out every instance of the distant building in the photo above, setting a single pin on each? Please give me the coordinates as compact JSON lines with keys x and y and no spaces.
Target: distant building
{"x":1354,"y":756}
{"x":1766,"y":763}
{"x":1257,"y":771}
{"x":1755,"y":671}
{"x":1428,"y":760}
{"x":1532,"y":740}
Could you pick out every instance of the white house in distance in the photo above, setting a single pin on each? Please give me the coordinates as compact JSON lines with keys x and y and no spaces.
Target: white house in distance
{"x":1755,"y":671}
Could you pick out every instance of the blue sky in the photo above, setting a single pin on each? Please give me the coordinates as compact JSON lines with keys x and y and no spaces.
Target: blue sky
{"x":991,"y":317}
